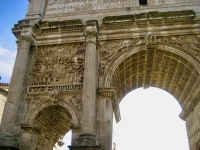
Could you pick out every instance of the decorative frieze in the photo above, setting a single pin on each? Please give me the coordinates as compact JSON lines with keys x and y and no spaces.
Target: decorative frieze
{"x":61,"y":88}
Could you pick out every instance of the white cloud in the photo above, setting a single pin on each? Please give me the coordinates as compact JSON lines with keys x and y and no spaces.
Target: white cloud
{"x":7,"y":59}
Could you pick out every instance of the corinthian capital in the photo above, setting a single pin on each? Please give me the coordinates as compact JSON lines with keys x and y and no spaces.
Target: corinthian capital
{"x":25,"y":39}
{"x":91,"y":31}
{"x":23,"y":42}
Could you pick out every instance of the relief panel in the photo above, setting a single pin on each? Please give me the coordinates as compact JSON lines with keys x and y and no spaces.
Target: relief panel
{"x":58,"y":67}
{"x":109,"y":50}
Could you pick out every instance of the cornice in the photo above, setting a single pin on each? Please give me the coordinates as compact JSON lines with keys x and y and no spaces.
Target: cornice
{"x":113,"y":27}
{"x":151,"y":19}
{"x":154,"y":15}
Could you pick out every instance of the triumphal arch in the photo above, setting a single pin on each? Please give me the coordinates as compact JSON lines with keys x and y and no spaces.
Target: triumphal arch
{"x":77,"y":59}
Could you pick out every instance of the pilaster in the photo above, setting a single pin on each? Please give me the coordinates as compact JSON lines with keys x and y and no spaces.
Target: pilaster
{"x":105,"y":116}
{"x":27,"y":135}
{"x":193,"y":128}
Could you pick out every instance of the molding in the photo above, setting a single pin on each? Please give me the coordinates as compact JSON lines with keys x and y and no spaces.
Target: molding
{"x":106,"y":92}
{"x":151,"y":16}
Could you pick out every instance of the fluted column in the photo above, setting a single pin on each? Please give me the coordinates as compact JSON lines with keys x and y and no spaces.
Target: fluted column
{"x":12,"y":115}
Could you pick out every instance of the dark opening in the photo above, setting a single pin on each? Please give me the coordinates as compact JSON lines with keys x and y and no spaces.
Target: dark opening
{"x":143,"y":2}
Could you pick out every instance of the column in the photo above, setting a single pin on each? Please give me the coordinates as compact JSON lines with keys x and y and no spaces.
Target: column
{"x":87,"y":139}
{"x":11,"y":119}
{"x":90,"y":79}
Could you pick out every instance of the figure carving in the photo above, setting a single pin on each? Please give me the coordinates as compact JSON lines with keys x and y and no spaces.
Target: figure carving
{"x":54,"y":96}
{"x":151,"y":41}
{"x":58,"y":65}
{"x":110,"y":49}
{"x":187,"y":42}
{"x":74,"y":100}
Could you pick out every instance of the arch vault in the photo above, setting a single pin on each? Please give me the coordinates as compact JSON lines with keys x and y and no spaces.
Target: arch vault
{"x":76,"y":60}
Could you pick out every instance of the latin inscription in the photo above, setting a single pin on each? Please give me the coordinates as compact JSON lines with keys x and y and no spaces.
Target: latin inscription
{"x":67,"y":6}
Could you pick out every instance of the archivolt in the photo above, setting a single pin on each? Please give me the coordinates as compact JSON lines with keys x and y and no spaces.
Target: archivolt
{"x":164,"y":67}
{"x":61,"y":104}
{"x":114,"y":64}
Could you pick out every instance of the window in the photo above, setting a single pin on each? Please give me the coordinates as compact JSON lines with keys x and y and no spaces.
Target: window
{"x":143,"y":2}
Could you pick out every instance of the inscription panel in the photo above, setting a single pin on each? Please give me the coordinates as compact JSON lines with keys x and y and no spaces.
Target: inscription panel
{"x":68,"y":6}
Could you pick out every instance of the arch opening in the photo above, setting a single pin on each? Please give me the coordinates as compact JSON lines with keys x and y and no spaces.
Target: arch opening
{"x":65,"y":142}
{"x":53,"y":123}
{"x":156,"y":68}
{"x":150,"y":121}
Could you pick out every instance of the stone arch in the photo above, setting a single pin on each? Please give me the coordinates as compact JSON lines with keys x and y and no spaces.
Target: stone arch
{"x":115,"y":63}
{"x":47,"y":124}
{"x":61,"y":104}
{"x":50,"y":121}
{"x":173,"y":56}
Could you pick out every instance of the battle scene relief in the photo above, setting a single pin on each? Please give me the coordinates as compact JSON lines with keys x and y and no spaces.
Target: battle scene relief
{"x":58,"y":66}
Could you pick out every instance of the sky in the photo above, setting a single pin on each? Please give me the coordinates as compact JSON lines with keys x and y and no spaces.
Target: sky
{"x":150,"y":117}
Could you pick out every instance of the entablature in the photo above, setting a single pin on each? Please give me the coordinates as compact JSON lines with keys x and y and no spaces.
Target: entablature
{"x":112,"y":27}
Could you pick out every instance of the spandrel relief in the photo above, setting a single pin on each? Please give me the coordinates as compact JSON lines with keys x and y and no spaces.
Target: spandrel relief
{"x":187,"y":42}
{"x":112,"y":49}
{"x":57,"y":65}
{"x":74,"y":100}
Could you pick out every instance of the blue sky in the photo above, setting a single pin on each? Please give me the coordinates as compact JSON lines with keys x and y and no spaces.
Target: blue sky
{"x":149,"y":117}
{"x":11,"y":11}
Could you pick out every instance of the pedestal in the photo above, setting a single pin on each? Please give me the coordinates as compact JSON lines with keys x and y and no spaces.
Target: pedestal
{"x":85,"y":148}
{"x":86,"y":142}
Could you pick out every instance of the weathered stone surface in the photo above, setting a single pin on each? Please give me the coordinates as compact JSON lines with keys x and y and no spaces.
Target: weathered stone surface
{"x":77,"y":60}
{"x":3,"y":97}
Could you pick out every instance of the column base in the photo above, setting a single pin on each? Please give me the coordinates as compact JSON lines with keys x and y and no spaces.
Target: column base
{"x":8,"y":148}
{"x":7,"y":142}
{"x":85,"y":148}
{"x":86,"y":142}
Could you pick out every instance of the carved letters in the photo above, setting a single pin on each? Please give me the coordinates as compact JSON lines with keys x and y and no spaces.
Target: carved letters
{"x":66,"y":6}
